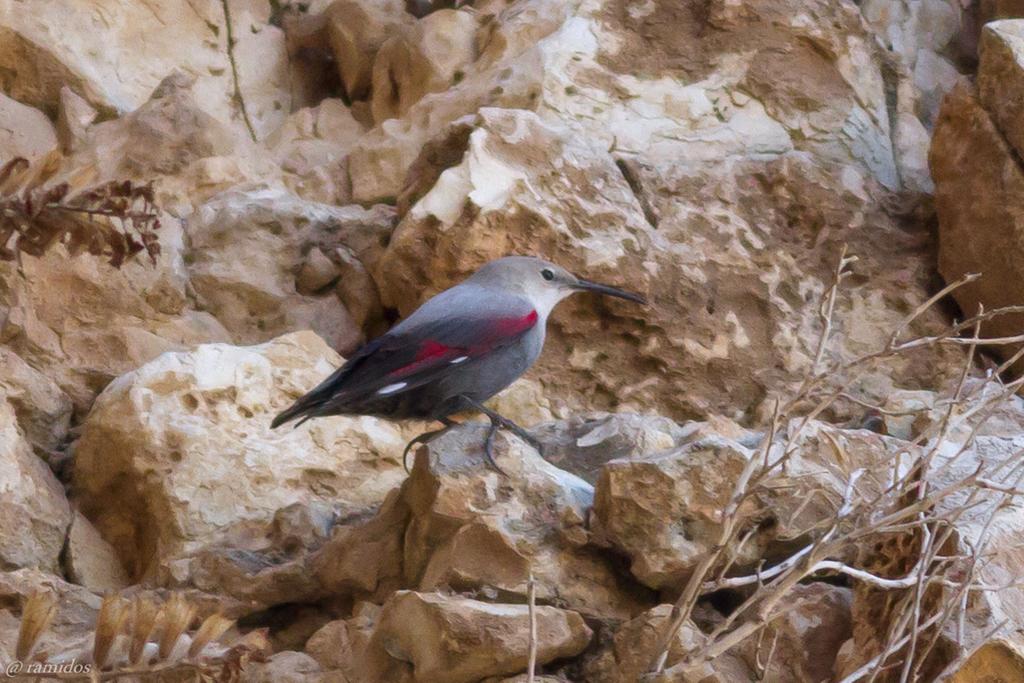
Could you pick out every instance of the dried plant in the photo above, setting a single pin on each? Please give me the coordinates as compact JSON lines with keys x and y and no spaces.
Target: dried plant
{"x":141,"y":638}
{"x":35,"y":619}
{"x":109,"y":625}
{"x":917,"y":496}
{"x":115,"y":220}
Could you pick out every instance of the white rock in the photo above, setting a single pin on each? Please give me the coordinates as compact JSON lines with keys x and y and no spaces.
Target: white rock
{"x":185,"y":447}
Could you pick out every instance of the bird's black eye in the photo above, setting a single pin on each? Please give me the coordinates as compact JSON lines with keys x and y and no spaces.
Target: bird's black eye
{"x":547,"y":274}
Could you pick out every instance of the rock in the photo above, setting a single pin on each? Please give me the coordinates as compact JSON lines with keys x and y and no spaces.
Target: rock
{"x":721,"y":315}
{"x":357,"y":29}
{"x":34,"y":514}
{"x":285,"y":667}
{"x":201,"y":420}
{"x":458,"y":640}
{"x":330,"y":645}
{"x":978,"y":444}
{"x":316,"y":273}
{"x":115,"y":54}
{"x":970,"y":158}
{"x":90,"y":561}
{"x":169,"y":140}
{"x":358,"y":292}
{"x":633,"y":646}
{"x":1001,"y":78}
{"x":425,"y":58}
{"x":927,"y":39}
{"x":73,"y":623}
{"x":471,"y":529}
{"x":584,"y":443}
{"x":997,"y":661}
{"x":24,"y":131}
{"x":663,"y":510}
{"x":311,"y":148}
{"x":246,"y":277}
{"x":343,"y":647}
{"x":758,"y":83}
{"x":73,"y":119}
{"x":807,"y":637}
{"x":85,"y":322}
{"x":43,"y":410}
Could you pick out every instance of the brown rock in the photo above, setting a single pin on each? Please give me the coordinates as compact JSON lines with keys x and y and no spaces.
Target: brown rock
{"x":169,"y":140}
{"x":998,"y":661}
{"x":311,"y":148}
{"x":356,"y":31}
{"x":663,"y":510}
{"x":316,"y":273}
{"x":425,"y":58}
{"x":74,"y":621}
{"x":85,"y":322}
{"x":286,"y":667}
{"x":73,"y":119}
{"x":807,"y":638}
{"x":343,"y":647}
{"x":474,"y":530}
{"x":970,"y":158}
{"x":458,"y":640}
{"x":34,"y":514}
{"x":24,"y":131}
{"x":1001,"y":78}
{"x":90,"y":561}
{"x":634,"y":646}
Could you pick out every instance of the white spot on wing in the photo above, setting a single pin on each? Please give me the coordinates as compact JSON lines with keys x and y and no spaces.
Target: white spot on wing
{"x":392,"y":388}
{"x":460,"y":359}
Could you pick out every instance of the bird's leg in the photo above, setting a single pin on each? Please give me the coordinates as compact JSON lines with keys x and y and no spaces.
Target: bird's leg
{"x":498,"y":420}
{"x":425,"y":437}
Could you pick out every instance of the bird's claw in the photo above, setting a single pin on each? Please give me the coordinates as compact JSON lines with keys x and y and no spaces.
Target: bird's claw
{"x":422,"y":438}
{"x":489,"y":448}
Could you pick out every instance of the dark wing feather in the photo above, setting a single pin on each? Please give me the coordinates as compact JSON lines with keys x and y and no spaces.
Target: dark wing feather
{"x":413,"y":355}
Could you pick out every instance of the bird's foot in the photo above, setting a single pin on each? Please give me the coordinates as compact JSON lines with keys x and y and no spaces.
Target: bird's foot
{"x":425,"y":437}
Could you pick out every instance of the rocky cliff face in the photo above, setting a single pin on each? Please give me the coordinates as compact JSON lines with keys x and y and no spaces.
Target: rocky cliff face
{"x":756,"y":433}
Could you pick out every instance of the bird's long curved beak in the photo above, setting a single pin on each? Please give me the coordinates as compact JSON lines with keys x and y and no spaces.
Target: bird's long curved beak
{"x":588,"y":286}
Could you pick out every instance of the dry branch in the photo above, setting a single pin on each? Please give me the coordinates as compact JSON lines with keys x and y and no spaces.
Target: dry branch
{"x":907,"y":500}
{"x":115,"y":220}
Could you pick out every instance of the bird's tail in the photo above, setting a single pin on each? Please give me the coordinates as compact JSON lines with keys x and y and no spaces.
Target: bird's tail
{"x":300,"y":408}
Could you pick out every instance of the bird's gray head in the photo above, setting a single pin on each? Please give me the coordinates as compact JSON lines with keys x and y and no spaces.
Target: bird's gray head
{"x":542,"y":282}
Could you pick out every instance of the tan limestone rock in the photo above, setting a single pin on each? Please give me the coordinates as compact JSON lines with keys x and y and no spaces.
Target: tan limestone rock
{"x":115,"y":53}
{"x":472,"y":529}
{"x":458,"y":640}
{"x":201,"y":419}
{"x":249,"y":245}
{"x":90,"y":561}
{"x":423,"y":59}
{"x":356,"y":30}
{"x":634,"y":645}
{"x":24,"y":131}
{"x":715,"y":251}
{"x":34,"y":513}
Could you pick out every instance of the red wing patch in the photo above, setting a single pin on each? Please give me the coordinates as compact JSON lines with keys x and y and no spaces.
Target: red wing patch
{"x":431,"y":352}
{"x":510,"y":327}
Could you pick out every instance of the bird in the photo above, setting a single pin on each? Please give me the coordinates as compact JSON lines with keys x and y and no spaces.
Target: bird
{"x":454,"y":352}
